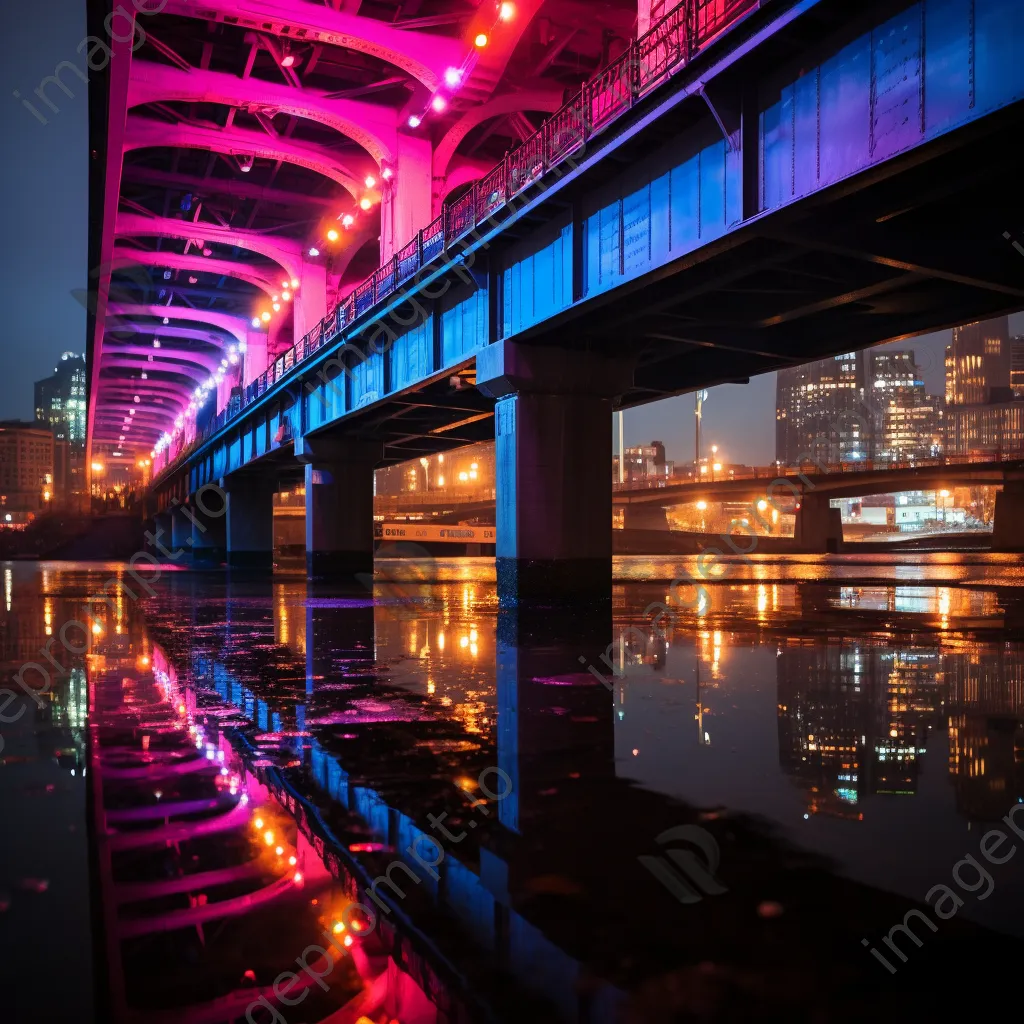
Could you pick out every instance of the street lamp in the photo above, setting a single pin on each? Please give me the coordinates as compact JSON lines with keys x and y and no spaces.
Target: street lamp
{"x":716,"y":465}
{"x":699,"y":398}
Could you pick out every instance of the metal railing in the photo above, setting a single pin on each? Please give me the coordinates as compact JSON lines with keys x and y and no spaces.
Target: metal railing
{"x":647,"y":62}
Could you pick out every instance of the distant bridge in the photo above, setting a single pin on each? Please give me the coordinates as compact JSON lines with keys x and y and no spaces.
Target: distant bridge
{"x":850,"y":484}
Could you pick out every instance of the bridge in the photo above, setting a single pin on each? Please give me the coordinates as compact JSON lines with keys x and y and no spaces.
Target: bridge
{"x":750,"y":184}
{"x":818,"y":525}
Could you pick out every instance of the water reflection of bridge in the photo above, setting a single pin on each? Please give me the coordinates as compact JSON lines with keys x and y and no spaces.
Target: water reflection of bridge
{"x":525,"y":896}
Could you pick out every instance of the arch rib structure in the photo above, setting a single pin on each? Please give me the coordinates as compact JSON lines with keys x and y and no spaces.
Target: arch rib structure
{"x":421,"y":55}
{"x":143,"y":134}
{"x":371,"y":126}
{"x":257,"y":158}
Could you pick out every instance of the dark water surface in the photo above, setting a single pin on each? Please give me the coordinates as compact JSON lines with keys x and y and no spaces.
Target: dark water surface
{"x":837,"y":737}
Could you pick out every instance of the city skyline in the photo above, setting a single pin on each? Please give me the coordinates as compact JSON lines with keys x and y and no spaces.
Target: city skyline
{"x":740,"y":418}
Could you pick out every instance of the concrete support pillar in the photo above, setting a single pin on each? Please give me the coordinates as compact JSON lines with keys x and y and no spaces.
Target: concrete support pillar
{"x":339,"y":506}
{"x":1008,"y":524}
{"x":553,"y":470}
{"x":406,"y":205}
{"x":162,"y":527}
{"x":644,"y":517}
{"x":209,"y":534}
{"x":819,"y":527}
{"x":250,"y":521}
{"x":180,"y":530}
{"x":254,"y":362}
{"x":310,"y":301}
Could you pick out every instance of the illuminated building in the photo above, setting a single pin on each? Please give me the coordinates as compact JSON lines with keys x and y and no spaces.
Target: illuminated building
{"x":644,"y":462}
{"x":978,"y":362}
{"x":907,"y":421}
{"x":982,"y":419}
{"x":26,"y":471}
{"x":820,"y":409}
{"x":1017,"y":366}
{"x":60,"y":402}
{"x":995,"y":430}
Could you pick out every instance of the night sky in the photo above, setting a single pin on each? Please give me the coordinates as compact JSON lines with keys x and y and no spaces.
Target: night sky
{"x":44,"y":217}
{"x":44,"y":185}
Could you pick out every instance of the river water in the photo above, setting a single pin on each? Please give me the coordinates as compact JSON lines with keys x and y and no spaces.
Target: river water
{"x":829,"y":742}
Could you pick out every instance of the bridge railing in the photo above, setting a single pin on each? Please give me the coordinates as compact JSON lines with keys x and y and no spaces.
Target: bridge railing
{"x":647,"y":62}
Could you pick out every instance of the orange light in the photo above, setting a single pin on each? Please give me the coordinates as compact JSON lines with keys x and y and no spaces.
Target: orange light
{"x":269,"y":837}
{"x":507,"y":11}
{"x":258,"y":822}
{"x":347,"y":940}
{"x":332,"y":235}
{"x":297,"y":878}
{"x":481,"y":40}
{"x":338,"y":928}
{"x":265,"y":316}
{"x":279,"y":850}
{"x":364,"y":203}
{"x":292,"y":861}
{"x":181,"y":709}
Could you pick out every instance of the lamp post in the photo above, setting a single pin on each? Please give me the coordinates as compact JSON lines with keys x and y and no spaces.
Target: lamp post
{"x":699,"y":398}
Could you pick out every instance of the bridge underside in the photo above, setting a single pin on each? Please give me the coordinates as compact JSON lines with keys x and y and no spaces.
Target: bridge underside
{"x":801,"y":190}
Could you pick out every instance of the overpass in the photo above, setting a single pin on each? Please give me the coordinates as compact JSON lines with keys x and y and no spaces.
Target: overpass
{"x":751,"y":184}
{"x":818,"y":526}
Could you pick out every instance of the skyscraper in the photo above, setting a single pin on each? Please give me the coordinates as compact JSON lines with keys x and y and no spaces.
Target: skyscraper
{"x":60,"y":399}
{"x":1017,"y":365}
{"x":60,"y":403}
{"x":820,"y":411}
{"x":982,"y":419}
{"x":906,"y":420}
{"x":977,"y":362}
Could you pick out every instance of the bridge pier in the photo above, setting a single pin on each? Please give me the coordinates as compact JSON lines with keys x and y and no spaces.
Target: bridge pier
{"x":644,"y":517}
{"x":553,"y":447}
{"x":179,"y":528}
{"x":819,"y":527}
{"x":250,"y":521}
{"x":1008,"y":523}
{"x":209,"y":534}
{"x":339,"y":506}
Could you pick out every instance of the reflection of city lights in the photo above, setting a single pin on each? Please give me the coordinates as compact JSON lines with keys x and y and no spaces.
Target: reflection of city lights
{"x":268,"y":837}
{"x":440,"y":641}
{"x":702,"y":505}
{"x":762,"y":505}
